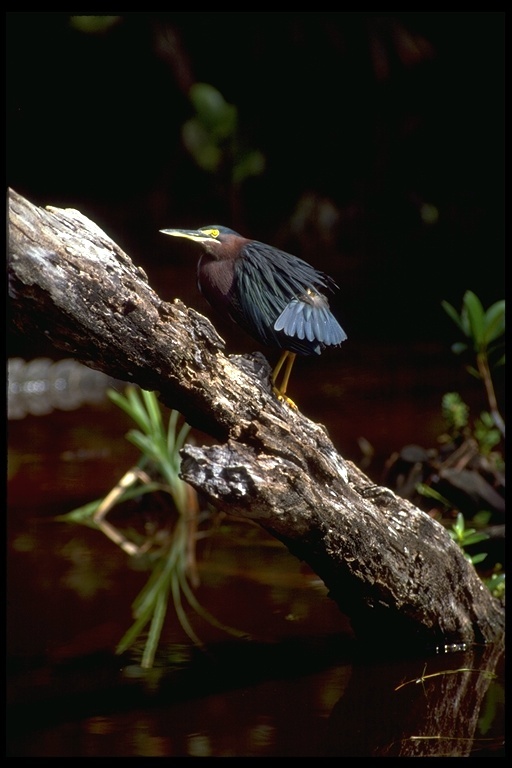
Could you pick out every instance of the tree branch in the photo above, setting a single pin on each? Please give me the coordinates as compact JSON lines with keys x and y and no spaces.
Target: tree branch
{"x":388,"y":565}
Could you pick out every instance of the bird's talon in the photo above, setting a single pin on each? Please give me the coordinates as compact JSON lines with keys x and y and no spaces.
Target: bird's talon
{"x":284,"y":398}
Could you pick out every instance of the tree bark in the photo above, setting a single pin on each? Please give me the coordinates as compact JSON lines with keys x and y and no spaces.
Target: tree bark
{"x":390,"y":567}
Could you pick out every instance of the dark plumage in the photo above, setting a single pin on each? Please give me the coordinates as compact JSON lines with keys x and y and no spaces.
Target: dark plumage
{"x":276,"y":297}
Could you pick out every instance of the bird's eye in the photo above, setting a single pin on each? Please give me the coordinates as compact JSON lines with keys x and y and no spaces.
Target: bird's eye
{"x":212,"y":232}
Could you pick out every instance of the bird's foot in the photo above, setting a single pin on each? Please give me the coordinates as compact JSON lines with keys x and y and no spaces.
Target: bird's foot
{"x":283,"y":398}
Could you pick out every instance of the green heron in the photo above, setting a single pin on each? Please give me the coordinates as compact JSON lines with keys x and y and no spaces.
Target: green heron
{"x":275,"y":297}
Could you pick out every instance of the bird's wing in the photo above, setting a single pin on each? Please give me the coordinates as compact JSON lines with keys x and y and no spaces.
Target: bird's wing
{"x":311,"y":320}
{"x":262,"y":291}
{"x":272,"y":284}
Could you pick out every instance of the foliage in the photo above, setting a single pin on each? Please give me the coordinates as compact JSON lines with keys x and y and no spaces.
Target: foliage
{"x":494,"y":697}
{"x":467,"y":536}
{"x":456,"y":415}
{"x":495,"y":583}
{"x":468,"y":469}
{"x":213,"y":139}
{"x":172,"y":565}
{"x":484,"y":330}
{"x":90,"y":24}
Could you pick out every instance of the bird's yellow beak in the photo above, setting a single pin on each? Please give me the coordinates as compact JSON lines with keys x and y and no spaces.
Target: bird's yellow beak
{"x":190,"y":234}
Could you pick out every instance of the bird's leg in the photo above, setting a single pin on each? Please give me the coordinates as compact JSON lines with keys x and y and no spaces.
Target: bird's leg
{"x":280,"y":392}
{"x":290,"y":359}
{"x":275,"y":372}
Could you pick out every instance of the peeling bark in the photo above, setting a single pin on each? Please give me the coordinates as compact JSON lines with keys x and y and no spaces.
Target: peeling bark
{"x":390,"y":567}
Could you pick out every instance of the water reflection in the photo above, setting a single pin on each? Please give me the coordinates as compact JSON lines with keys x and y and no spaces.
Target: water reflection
{"x":225,"y":709}
{"x":301,"y":687}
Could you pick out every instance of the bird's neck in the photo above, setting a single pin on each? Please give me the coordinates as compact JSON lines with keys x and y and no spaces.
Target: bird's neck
{"x":215,"y":279}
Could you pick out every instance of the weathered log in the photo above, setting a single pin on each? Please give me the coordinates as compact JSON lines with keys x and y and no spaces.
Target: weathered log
{"x":389,"y":566}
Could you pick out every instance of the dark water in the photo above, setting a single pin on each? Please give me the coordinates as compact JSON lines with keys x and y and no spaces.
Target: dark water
{"x":298,"y":684}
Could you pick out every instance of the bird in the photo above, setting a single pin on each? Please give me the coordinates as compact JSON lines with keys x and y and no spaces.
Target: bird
{"x":277,"y":298}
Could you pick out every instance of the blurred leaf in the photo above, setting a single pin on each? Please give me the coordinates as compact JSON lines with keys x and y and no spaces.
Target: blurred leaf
{"x":495,"y":695}
{"x":495,"y":321}
{"x":93,"y":24}
{"x":455,"y":411}
{"x":250,"y":164}
{"x":482,"y":517}
{"x":453,"y":314}
{"x":198,"y":142}
{"x":131,"y":405}
{"x":473,"y":537}
{"x":211,"y":136}
{"x":458,"y":526}
{"x":459,"y":347}
{"x":428,"y":492}
{"x":473,"y":371}
{"x":475,"y":313}
{"x":217,"y":116}
{"x":475,"y":559}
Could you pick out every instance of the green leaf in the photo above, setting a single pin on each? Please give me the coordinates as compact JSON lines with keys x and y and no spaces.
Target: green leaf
{"x":249,"y":164}
{"x":472,"y":537}
{"x":494,"y":322}
{"x":154,"y":413}
{"x":453,"y":314}
{"x":427,"y":491}
{"x":155,"y":629}
{"x":131,"y":404}
{"x":209,"y":103}
{"x":171,"y":432}
{"x":495,"y":695}
{"x":201,"y":145}
{"x":180,"y":442}
{"x":459,"y":525}
{"x":482,"y":517}
{"x":473,"y":372}
{"x":81,"y":514}
{"x":459,"y":347}
{"x":86,"y":513}
{"x":476,"y":314}
{"x":478,"y":558}
{"x":94,"y":24}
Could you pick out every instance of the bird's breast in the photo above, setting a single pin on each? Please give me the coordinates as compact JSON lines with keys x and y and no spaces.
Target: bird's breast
{"x":216,"y":282}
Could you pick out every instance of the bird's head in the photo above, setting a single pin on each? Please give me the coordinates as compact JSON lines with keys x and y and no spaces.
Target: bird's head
{"x":216,"y":240}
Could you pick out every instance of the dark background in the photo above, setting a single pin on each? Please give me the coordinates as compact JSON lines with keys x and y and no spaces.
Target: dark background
{"x":383,"y":138}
